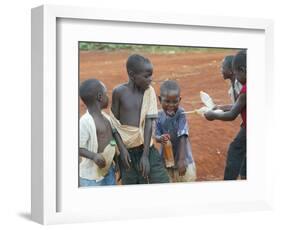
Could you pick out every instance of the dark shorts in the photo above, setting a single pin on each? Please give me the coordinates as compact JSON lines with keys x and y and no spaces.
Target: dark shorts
{"x":133,"y":175}
{"x":236,"y":163}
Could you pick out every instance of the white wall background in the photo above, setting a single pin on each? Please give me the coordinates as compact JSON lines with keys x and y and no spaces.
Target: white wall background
{"x":15,"y":114}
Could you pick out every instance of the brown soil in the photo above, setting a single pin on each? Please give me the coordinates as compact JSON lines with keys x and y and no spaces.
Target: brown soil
{"x":195,"y":71}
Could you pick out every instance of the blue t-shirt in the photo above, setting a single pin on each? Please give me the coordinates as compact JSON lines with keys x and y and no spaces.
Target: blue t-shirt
{"x":176,"y":126}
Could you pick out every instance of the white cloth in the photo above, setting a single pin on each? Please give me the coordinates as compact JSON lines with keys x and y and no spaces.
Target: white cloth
{"x":237,"y":89}
{"x":134,"y":136}
{"x":88,"y":140}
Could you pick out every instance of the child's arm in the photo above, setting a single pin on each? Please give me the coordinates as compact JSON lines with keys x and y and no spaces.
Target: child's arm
{"x":163,"y":139}
{"x":124,"y":154}
{"x":97,"y":158}
{"x":159,"y":136}
{"x":116,"y":102}
{"x":230,"y":115}
{"x":181,"y":160}
{"x":84,"y":137}
{"x":225,"y":108}
{"x":149,"y":119}
{"x":144,"y":161}
{"x":182,"y":133}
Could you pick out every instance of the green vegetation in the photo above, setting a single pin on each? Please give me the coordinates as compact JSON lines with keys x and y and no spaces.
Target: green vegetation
{"x":95,"y":46}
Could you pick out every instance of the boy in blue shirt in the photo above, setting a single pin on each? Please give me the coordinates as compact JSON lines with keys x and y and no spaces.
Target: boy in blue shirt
{"x":172,"y":125}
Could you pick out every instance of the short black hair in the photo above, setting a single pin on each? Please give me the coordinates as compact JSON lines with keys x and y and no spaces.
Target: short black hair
{"x":227,"y":61}
{"x":240,"y":60}
{"x":135,"y":61}
{"x":169,"y":85}
{"x":89,"y":89}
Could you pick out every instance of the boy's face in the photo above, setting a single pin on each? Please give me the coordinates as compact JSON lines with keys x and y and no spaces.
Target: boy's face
{"x":170,"y":101}
{"x":226,"y":72}
{"x":240,"y":75}
{"x":143,"y":77}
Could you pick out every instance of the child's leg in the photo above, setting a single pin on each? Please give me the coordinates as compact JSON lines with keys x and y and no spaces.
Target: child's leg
{"x":190,"y":174}
{"x":158,"y":173}
{"x":243,"y":170}
{"x":235,"y":156}
{"x":131,"y":175}
{"x":172,"y":175}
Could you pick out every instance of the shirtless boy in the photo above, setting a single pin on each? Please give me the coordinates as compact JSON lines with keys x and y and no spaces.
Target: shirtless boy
{"x":133,"y":111}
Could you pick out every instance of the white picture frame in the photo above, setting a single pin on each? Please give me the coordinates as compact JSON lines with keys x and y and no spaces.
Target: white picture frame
{"x":55,"y":201}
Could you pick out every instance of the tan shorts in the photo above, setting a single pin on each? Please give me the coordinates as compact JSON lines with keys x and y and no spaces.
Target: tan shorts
{"x":190,"y":174}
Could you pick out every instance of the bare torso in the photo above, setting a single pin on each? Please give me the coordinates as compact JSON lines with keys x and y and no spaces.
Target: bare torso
{"x":127,"y":104}
{"x":104,"y":133}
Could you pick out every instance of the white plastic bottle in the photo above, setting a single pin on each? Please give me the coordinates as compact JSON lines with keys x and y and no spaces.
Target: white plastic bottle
{"x":207,"y":100}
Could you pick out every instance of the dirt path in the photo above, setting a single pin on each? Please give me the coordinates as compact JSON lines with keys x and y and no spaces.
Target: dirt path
{"x":194,"y":71}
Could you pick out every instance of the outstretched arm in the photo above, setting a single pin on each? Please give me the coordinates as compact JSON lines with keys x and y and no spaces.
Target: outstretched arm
{"x":225,"y":108}
{"x":230,"y":115}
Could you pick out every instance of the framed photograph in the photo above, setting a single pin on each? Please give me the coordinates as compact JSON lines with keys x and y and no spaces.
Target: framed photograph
{"x":71,"y":45}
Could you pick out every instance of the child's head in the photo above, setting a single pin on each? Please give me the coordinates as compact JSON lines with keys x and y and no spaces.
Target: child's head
{"x":93,"y":91}
{"x":226,"y":67}
{"x":170,"y":97}
{"x":140,"y":71}
{"x":239,"y":66}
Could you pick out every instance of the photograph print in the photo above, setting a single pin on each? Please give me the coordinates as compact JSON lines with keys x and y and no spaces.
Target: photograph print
{"x":151,"y":114}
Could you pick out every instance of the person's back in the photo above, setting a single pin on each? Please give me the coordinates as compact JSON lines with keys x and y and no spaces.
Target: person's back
{"x":103,"y":127}
{"x":134,"y":109}
{"x":96,"y":138}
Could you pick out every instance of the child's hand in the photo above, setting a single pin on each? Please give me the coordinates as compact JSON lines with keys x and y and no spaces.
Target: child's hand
{"x":164,"y":138}
{"x":210,"y":115}
{"x":99,"y":160}
{"x":144,"y":166}
{"x":216,"y":107}
{"x":125,"y":158}
{"x":181,"y":167}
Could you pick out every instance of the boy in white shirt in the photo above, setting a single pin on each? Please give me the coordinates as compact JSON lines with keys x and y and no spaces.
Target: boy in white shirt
{"x":97,"y":146}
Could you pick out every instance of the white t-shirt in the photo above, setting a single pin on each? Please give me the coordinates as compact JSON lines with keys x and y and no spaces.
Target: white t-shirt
{"x":88,"y":140}
{"x":237,"y":89}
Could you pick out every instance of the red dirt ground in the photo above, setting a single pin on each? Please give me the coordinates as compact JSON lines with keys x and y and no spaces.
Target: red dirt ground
{"x":194,"y":71}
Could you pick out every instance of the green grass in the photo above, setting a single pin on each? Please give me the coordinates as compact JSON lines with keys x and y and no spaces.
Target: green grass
{"x":94,"y":46}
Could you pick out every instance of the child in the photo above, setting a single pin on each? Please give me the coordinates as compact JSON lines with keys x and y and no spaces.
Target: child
{"x":171,"y":125}
{"x":236,"y":156}
{"x":134,"y":108}
{"x":97,"y":147}
{"x":235,"y":87}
